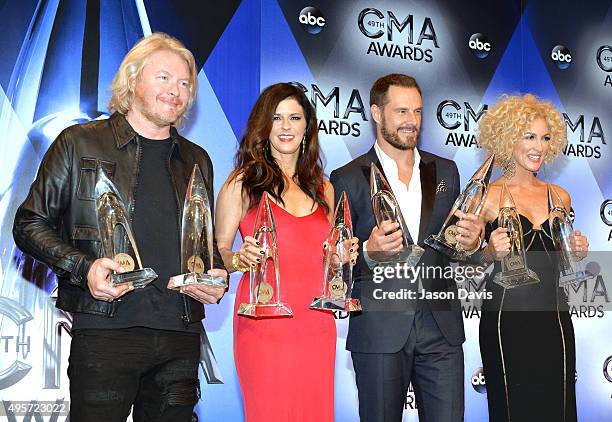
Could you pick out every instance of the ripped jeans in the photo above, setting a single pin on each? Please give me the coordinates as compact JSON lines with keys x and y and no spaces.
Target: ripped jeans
{"x":156,"y":371}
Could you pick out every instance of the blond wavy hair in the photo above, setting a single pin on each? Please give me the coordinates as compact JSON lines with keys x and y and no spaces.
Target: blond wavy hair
{"x":510,"y":118}
{"x":134,"y":62}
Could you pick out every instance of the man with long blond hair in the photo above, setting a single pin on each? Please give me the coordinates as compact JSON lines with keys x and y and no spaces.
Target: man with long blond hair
{"x":129,"y":349}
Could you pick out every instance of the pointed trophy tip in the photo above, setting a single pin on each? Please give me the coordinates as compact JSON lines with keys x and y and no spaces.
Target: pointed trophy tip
{"x":342,"y":213}
{"x":378,"y":181}
{"x":505,"y":199}
{"x":485,"y":170}
{"x":103,"y":182}
{"x":196,"y":186}
{"x":554,"y":200}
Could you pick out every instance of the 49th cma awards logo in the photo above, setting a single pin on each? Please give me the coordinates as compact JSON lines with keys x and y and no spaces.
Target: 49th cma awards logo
{"x":328,"y":108}
{"x":400,"y":35}
{"x":580,"y":142}
{"x":607,"y":370}
{"x":604,"y":61}
{"x":605,"y":211}
{"x":460,"y":120}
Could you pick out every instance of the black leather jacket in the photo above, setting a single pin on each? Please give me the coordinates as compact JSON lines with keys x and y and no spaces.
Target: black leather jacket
{"x":57,"y":222}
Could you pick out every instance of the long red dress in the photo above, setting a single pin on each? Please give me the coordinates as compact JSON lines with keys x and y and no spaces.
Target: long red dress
{"x":286,"y":365}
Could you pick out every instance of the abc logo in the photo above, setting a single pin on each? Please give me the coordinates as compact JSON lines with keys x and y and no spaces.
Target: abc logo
{"x":480,"y":45}
{"x":561,"y":56}
{"x":605,"y":211}
{"x":312,"y":20}
{"x":478,"y":381}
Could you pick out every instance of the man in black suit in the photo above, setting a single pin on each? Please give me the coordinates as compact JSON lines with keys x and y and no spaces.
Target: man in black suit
{"x":400,"y":338}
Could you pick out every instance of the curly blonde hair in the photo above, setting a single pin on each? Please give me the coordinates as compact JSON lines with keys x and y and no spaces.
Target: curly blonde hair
{"x":133,"y":63}
{"x":508,"y":120}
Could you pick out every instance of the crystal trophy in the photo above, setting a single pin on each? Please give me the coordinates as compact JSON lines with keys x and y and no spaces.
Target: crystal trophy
{"x":470,"y":201}
{"x":514,"y":270}
{"x":562,"y":231}
{"x":385,"y":207}
{"x":118,"y":241}
{"x":196,"y":237}
{"x":338,"y":275}
{"x":265,"y":294}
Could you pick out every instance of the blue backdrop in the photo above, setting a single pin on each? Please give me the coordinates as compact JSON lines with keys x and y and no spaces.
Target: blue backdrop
{"x":59,"y":56}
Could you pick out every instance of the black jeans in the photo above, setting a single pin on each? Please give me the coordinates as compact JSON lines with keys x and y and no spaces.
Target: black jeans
{"x":156,"y":371}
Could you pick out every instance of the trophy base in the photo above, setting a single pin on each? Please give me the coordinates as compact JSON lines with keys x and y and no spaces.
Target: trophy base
{"x":328,"y":304}
{"x":258,"y":310}
{"x":576,"y":277}
{"x":138,"y":279}
{"x":516,"y":278}
{"x":439,"y":243}
{"x":181,"y":280}
{"x":411,"y":256}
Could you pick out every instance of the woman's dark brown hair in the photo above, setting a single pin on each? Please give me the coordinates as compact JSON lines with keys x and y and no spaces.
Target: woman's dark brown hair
{"x":255,"y":166}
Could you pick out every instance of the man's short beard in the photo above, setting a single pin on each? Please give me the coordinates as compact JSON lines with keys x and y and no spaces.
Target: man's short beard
{"x":394,"y":140}
{"x":157,"y":119}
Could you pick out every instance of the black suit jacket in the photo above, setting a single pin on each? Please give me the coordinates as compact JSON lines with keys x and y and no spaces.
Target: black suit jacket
{"x":384,"y":327}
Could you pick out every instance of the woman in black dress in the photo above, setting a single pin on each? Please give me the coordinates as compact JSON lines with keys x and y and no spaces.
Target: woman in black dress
{"x":526,"y":334}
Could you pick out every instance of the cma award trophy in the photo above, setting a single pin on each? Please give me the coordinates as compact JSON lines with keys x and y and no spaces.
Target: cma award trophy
{"x":118,"y":241}
{"x":470,"y":201}
{"x":196,"y":237}
{"x":338,"y":276}
{"x":514,"y":271}
{"x":265,"y":294}
{"x":562,"y":231}
{"x":385,"y":207}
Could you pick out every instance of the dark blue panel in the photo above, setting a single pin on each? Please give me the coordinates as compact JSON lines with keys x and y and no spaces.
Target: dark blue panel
{"x":19,"y":15}
{"x":233,"y":67}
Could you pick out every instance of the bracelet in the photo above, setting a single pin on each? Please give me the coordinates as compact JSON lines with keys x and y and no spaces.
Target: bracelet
{"x":478,"y":245}
{"x":236,"y":263}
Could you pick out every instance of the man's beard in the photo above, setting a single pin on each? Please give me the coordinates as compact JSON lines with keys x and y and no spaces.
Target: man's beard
{"x":158,"y":119}
{"x":394,"y":139}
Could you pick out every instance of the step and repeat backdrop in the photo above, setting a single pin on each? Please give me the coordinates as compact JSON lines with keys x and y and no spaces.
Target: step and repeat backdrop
{"x":57,"y":59}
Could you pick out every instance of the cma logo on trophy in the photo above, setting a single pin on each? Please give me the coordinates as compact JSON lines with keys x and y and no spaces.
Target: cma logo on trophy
{"x":561,"y":56}
{"x":604,"y":61}
{"x":580,"y":143}
{"x":480,"y":45}
{"x":459,"y":119}
{"x":331,"y":121}
{"x":605,"y":211}
{"x":312,"y":20}
{"x":400,"y":42}
{"x":478,"y":381}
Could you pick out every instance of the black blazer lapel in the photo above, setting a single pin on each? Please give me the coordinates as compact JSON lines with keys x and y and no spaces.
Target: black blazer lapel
{"x":369,"y":158}
{"x":427,"y":169}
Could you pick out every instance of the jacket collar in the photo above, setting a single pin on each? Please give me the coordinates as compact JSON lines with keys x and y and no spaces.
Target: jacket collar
{"x":124,"y":133}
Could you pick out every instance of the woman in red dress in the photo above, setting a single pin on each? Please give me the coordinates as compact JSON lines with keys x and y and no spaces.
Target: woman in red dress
{"x":285,"y":365}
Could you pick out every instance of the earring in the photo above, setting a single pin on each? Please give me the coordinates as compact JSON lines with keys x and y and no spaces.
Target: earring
{"x":303,"y":144}
{"x":509,"y":168}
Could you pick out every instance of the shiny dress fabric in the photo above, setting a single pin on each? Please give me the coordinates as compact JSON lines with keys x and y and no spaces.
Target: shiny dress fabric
{"x":286,"y":365}
{"x":527,"y":340}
